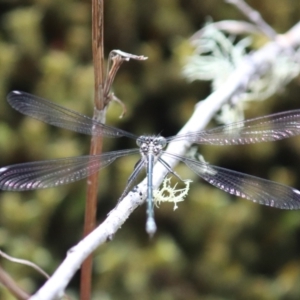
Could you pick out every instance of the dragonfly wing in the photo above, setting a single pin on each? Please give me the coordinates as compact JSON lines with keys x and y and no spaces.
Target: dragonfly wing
{"x":253,"y":188}
{"x":56,"y":115}
{"x":264,"y":129}
{"x":52,"y":173}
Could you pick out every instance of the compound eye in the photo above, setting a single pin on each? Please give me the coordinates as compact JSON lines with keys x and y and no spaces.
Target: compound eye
{"x":140,"y":140}
{"x":162,"y":141}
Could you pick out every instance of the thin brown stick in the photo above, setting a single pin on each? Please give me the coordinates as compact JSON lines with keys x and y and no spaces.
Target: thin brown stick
{"x":103,"y":96}
{"x":96,"y":142}
{"x":10,"y":284}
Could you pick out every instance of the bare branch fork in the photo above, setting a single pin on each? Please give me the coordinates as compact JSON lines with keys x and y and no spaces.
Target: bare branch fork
{"x":255,"y":17}
{"x":253,"y":65}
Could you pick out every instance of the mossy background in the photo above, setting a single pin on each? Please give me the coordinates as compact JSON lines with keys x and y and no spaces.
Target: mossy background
{"x":214,"y":246}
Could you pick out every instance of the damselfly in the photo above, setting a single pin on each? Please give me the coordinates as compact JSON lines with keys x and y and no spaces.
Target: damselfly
{"x":52,"y":173}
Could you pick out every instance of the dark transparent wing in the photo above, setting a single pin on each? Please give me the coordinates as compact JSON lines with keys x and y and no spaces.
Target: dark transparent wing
{"x":52,"y":173}
{"x":256,"y":189}
{"x":264,"y":129}
{"x":59,"y":116}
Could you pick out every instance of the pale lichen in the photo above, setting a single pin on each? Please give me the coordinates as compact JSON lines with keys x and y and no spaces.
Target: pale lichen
{"x":168,"y":193}
{"x":215,"y":58}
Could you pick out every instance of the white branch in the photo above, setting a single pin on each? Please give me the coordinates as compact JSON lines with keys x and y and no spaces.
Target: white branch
{"x":254,"y":65}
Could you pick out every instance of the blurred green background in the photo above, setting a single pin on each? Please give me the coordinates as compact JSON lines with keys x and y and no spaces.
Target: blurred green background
{"x":214,"y":246}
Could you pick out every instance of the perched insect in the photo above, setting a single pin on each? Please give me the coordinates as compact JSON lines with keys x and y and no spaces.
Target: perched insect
{"x":51,"y":173}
